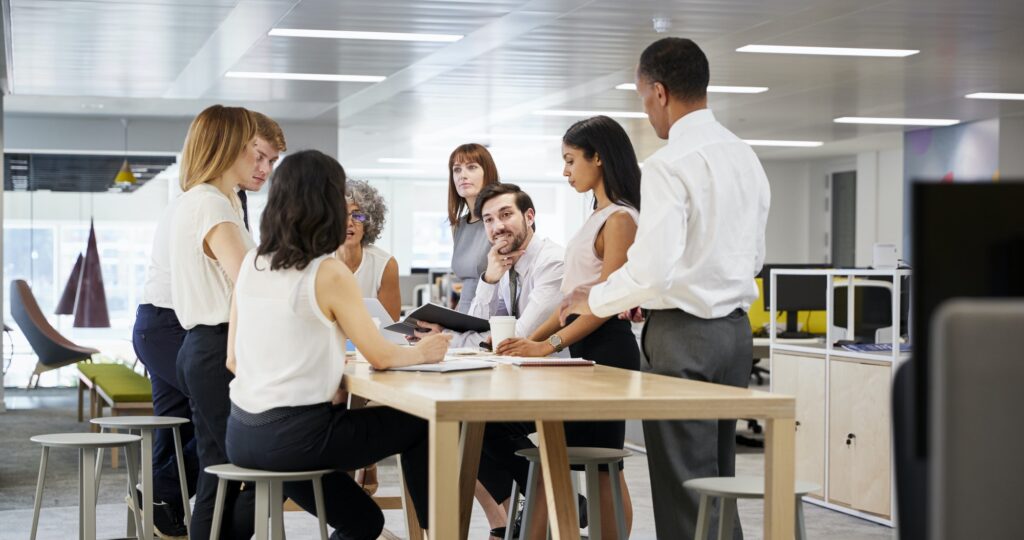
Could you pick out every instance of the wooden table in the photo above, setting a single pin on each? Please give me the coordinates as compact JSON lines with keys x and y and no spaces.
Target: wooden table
{"x":457,"y":405}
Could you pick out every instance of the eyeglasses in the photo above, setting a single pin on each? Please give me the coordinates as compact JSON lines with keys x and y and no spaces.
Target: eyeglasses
{"x":359,"y":216}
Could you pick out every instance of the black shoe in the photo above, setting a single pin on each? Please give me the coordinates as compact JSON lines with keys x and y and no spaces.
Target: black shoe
{"x":500,"y":531}
{"x":168,"y":519}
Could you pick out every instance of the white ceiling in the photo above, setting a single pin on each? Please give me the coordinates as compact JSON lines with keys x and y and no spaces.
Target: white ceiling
{"x":168,"y":58}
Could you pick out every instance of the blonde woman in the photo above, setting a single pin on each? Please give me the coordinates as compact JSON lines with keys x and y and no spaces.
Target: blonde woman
{"x":208,"y":241}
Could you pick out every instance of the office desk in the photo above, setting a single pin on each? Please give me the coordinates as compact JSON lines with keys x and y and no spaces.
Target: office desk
{"x":458,"y":404}
{"x":762,"y":344}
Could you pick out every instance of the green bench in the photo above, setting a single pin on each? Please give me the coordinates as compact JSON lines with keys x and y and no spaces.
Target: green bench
{"x":115,"y":386}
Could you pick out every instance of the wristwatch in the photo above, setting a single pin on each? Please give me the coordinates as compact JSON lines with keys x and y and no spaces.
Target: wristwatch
{"x":556,"y":341}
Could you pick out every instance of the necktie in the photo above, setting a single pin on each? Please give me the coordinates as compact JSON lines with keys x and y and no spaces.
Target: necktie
{"x":513,"y":289}
{"x":245,"y":207}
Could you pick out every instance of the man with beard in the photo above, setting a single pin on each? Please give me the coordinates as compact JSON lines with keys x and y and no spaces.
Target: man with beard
{"x":523,"y":279}
{"x":524,"y":271}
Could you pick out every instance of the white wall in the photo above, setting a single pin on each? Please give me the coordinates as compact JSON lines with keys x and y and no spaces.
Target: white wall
{"x":879,"y":202}
{"x":1011,"y":148}
{"x":788,"y":234}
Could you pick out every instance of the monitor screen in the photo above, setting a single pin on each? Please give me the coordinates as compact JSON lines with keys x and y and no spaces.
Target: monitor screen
{"x":796,"y":293}
{"x":968,"y":241}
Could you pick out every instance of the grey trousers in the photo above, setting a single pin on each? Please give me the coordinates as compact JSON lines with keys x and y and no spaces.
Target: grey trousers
{"x":678,"y":344}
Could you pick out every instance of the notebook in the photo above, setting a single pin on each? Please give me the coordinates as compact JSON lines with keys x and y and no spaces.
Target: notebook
{"x":521,"y":361}
{"x":448,"y":365}
{"x":448,"y":318}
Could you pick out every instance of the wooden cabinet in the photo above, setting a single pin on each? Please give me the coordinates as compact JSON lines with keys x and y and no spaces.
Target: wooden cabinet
{"x":859,"y":441}
{"x":804,"y":378}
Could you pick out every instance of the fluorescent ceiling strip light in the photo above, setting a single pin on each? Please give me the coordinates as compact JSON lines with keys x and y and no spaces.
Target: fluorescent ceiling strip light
{"x":407,"y":161}
{"x":827,"y":51}
{"x":897,"y":121}
{"x":794,"y":144}
{"x":372,"y":171}
{"x":378,"y":36}
{"x":304,"y":76}
{"x":613,"y":114}
{"x":713,"y":89}
{"x":514,"y":137}
{"x":995,"y":95}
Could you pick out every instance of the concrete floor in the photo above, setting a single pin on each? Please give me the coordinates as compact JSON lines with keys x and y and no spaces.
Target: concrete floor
{"x":49,"y":411}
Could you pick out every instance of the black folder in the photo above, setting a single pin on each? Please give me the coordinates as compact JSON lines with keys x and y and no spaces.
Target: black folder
{"x":448,"y":318}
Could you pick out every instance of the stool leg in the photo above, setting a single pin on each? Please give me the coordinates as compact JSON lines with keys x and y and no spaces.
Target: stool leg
{"x":39,"y":493}
{"x":801,"y":531}
{"x":726,"y":517}
{"x":531,"y":499}
{"x":218,"y":508}
{"x":321,"y":512}
{"x":617,"y":503}
{"x":262,"y":510}
{"x":147,"y":483}
{"x":134,"y":518}
{"x":182,"y":482}
{"x":87,"y":459}
{"x":703,"y":516}
{"x":276,"y":504}
{"x":593,"y":502}
{"x":513,"y":510}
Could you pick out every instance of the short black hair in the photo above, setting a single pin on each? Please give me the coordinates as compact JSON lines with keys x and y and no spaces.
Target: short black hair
{"x":604,"y":137}
{"x":306,"y":215}
{"x":490,"y":191}
{"x":679,"y":65}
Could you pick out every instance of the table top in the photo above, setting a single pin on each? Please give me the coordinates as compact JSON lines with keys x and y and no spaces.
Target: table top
{"x":139,"y":422}
{"x":511,"y":393}
{"x":85,"y":440}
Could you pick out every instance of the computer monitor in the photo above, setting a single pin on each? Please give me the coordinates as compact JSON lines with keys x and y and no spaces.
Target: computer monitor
{"x":795,"y":293}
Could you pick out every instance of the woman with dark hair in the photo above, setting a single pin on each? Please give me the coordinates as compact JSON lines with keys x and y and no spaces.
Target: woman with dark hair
{"x":599,"y":159}
{"x":294,"y":305}
{"x":470,"y":168}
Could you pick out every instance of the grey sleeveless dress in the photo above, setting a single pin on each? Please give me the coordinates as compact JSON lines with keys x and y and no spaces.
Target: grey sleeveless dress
{"x":469,"y":259}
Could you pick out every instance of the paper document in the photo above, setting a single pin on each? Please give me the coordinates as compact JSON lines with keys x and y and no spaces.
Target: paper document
{"x":521,"y":361}
{"x":448,"y":318}
{"x":448,"y":365}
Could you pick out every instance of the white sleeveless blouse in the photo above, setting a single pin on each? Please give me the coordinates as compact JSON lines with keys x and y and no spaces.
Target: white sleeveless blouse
{"x":582,"y":265}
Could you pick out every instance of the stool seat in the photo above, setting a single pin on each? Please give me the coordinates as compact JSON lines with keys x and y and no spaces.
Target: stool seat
{"x":269,"y":496}
{"x":241,"y":474}
{"x":139,"y":422}
{"x":741,"y":487}
{"x":580,"y":455}
{"x":85,"y":440}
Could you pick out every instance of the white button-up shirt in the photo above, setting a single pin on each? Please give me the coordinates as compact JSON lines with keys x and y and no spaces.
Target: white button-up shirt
{"x":704,"y":201}
{"x":540,"y":272}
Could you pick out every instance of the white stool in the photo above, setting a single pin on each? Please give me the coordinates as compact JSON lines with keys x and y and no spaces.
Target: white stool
{"x":146,"y":426}
{"x":87,"y":444}
{"x":591,"y":459}
{"x":730,"y":488}
{"x":269,"y":497}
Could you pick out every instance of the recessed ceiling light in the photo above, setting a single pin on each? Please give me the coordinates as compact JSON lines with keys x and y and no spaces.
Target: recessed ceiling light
{"x":613,"y":114}
{"x":713,"y":89}
{"x":827,"y":51}
{"x":994,"y":95}
{"x":372,"y":171}
{"x":795,"y":144}
{"x":348,"y":34}
{"x":304,"y":76}
{"x":897,"y":121}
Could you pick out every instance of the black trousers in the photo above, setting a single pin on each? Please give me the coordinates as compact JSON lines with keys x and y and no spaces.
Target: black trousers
{"x":157,"y":338}
{"x":611,"y":344}
{"x":331,"y":437}
{"x":204,"y":378}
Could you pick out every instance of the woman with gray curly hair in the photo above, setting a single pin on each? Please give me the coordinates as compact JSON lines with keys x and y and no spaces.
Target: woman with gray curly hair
{"x":376,"y":270}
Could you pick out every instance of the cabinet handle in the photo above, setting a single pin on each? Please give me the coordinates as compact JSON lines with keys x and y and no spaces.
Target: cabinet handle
{"x":797,"y":424}
{"x":849,"y":439}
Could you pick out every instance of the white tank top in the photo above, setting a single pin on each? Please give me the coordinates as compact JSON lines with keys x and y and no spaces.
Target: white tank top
{"x":582,"y":265}
{"x":371,"y":270}
{"x":287,"y":352}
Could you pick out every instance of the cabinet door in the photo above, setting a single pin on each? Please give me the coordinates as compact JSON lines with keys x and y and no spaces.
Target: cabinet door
{"x":804,"y":378}
{"x":859,"y":436}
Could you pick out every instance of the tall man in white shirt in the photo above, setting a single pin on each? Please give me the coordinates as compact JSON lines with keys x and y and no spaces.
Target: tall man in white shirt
{"x":523,"y":279}
{"x":699,"y":244}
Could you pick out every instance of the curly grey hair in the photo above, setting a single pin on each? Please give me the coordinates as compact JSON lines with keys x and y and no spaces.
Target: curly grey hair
{"x":371,"y":203}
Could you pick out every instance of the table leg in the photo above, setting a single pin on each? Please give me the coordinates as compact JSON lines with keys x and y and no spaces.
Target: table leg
{"x":558,"y":490}
{"x":779,"y":463}
{"x":147,"y":483}
{"x":412,"y":523}
{"x":444,"y":468}
{"x":471,"y":441}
